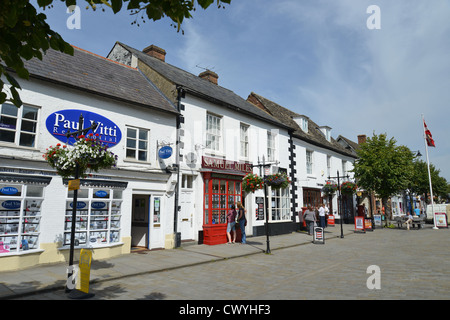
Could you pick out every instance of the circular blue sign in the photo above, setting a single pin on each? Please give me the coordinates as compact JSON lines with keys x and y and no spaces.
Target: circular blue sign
{"x":165,"y":152}
{"x":101,"y":193}
{"x":60,"y":122}
{"x":98,"y":205}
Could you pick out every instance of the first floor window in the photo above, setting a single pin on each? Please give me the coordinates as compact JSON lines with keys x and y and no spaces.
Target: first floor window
{"x":18,"y":125}
{"x":213,"y":132}
{"x":20,"y":217}
{"x":280,"y":204}
{"x":98,"y":216}
{"x":270,"y":146}
{"x":244,"y":141}
{"x":137,"y":144}
{"x":309,"y":162}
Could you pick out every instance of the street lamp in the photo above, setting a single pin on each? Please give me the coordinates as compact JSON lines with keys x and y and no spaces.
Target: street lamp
{"x":76,"y":134}
{"x":339,"y":198}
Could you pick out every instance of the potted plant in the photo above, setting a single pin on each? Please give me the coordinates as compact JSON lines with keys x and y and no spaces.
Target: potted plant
{"x":88,"y":152}
{"x":277,"y":181}
{"x":252,"y":182}
{"x":348,"y":187}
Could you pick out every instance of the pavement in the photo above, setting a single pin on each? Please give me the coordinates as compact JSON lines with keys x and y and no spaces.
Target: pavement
{"x":47,"y":278}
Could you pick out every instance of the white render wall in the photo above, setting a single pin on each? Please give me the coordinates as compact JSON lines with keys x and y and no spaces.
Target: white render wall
{"x":148,"y":178}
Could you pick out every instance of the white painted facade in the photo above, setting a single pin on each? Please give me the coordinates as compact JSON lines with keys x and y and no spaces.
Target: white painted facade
{"x":147,"y":179}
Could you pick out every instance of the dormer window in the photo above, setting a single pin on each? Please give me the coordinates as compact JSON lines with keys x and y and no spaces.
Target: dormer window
{"x":302,"y":122}
{"x":326,"y":132}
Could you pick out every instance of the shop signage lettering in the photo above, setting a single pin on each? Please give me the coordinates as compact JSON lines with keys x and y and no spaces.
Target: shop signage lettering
{"x":11,"y":204}
{"x":101,"y":193}
{"x":8,"y":190}
{"x":80,"y":205}
{"x":165,"y":152}
{"x":224,"y":165}
{"x":59,"y":122}
{"x":98,"y":205}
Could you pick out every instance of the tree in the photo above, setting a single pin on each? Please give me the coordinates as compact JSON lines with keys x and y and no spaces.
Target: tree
{"x":420,"y":181}
{"x":24,"y":34}
{"x":383,"y":167}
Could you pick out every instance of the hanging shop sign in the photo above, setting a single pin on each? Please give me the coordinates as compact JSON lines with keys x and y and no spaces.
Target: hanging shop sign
{"x":59,"y":122}
{"x":225,"y":165}
{"x":165,"y":152}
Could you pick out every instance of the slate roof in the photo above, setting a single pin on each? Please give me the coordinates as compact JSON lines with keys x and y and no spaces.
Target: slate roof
{"x":313,"y":136}
{"x":92,"y":73}
{"x":203,"y":88}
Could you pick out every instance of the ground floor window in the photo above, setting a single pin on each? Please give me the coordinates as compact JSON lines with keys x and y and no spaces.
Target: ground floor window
{"x":280,"y":204}
{"x":20,"y":217}
{"x":221,"y":191}
{"x":312,"y":197}
{"x":98,"y":216}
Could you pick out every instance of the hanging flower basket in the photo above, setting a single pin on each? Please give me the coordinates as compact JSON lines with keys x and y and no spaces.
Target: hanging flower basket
{"x":348,"y":188}
{"x":89,"y":153}
{"x":252,"y":182}
{"x":277,"y":181}
{"x":329,"y":188}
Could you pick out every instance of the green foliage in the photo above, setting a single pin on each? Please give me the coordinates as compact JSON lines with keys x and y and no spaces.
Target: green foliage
{"x":383,"y":167}
{"x":420,"y":180}
{"x":24,"y":34}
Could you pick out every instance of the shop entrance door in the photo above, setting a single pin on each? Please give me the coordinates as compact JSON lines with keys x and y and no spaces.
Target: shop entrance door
{"x":140,"y":231}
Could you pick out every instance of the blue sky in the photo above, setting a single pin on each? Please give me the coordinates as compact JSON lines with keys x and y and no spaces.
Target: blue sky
{"x":315,"y":57}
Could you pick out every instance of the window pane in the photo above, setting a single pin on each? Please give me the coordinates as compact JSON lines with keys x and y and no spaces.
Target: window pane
{"x":143,"y":134}
{"x":27,"y":140}
{"x":131,"y":143}
{"x":29,"y":126}
{"x":9,"y":109}
{"x":29,"y":113}
{"x":131,"y":133}
{"x":7,"y":136}
{"x":142,"y":155}
{"x":131,"y":153}
{"x":143,"y":145}
{"x":8,"y":122}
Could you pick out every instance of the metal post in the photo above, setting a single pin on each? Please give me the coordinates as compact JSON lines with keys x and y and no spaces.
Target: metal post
{"x":266,"y":210}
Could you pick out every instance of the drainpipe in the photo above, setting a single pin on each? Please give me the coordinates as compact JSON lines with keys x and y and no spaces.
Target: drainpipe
{"x":180,"y":95}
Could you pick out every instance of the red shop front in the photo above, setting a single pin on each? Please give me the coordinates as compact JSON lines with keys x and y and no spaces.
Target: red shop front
{"x":222,"y":188}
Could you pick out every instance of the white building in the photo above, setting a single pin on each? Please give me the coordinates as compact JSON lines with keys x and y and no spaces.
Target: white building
{"x":131,"y":205}
{"x":222,"y":135}
{"x":315,"y":159}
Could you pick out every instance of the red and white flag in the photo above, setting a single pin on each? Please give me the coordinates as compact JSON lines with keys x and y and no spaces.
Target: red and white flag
{"x":428,"y":136}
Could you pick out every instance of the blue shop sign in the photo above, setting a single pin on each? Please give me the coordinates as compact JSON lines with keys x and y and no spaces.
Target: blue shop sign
{"x":8,"y":190}
{"x":98,"y":205}
{"x":165,"y":152}
{"x":80,"y":205}
{"x":101,"y":193}
{"x":11,"y":204}
{"x":59,"y":122}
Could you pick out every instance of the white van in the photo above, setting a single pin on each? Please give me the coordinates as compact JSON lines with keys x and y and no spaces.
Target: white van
{"x":437,"y":208}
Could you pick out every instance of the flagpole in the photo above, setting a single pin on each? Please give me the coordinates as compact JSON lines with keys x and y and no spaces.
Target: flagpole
{"x":429,"y":173}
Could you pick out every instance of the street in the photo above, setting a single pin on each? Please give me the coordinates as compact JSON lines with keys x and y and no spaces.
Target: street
{"x":383,"y":264}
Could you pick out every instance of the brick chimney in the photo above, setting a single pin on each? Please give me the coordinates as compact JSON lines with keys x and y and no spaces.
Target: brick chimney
{"x":361,"y":139}
{"x":156,"y":52}
{"x":209,"y":75}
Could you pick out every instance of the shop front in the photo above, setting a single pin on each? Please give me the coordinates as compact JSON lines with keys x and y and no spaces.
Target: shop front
{"x":222,"y":189}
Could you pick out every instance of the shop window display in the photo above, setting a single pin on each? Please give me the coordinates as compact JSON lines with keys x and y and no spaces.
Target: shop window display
{"x":20,"y":217}
{"x":98,"y":217}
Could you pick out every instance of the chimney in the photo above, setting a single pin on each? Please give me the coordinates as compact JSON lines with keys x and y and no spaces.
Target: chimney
{"x":156,"y":52}
{"x":361,"y":139}
{"x":209,"y":75}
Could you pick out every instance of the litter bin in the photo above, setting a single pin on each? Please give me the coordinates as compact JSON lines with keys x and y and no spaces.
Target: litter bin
{"x":319,"y":237}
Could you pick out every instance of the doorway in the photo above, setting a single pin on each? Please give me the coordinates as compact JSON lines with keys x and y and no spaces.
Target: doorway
{"x":140,"y":231}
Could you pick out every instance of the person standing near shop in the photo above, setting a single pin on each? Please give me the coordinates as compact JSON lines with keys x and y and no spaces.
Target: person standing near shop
{"x":322,"y":215}
{"x":242,"y":221}
{"x":310,"y":218}
{"x":231,"y":227}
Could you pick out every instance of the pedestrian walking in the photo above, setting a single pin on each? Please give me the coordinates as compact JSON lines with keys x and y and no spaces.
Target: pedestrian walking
{"x":310,"y":218}
{"x":322,"y":215}
{"x":242,"y":221}
{"x":231,"y":227}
